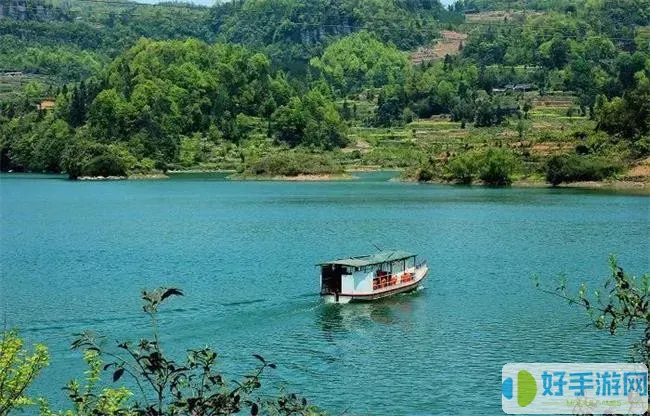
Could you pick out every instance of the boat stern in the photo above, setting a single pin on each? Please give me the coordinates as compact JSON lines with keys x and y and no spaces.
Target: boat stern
{"x":336,"y":299}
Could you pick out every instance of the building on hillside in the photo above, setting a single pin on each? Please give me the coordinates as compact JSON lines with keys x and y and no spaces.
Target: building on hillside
{"x":46,"y":104}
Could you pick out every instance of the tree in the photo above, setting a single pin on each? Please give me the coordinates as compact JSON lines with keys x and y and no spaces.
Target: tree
{"x":312,"y":121}
{"x":463,"y":168}
{"x":497,"y":166}
{"x":582,"y":80}
{"x":50,"y":146}
{"x":390,"y":104}
{"x":18,"y":369}
{"x":361,"y":61}
{"x":75,"y":156}
{"x":78,"y":102}
{"x":628,"y":116}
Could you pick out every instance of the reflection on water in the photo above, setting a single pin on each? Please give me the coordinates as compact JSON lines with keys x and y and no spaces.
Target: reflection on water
{"x":398,"y":309}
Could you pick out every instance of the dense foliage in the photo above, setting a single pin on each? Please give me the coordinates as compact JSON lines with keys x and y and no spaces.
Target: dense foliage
{"x":289,"y":164}
{"x":137,"y":114}
{"x":576,"y":168}
{"x":360,"y":61}
{"x":307,"y":74}
{"x":293,"y":31}
{"x":493,"y":166}
{"x":18,"y":369}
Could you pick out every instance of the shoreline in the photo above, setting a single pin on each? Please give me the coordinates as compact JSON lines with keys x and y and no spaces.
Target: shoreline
{"x":607,"y":185}
{"x":172,"y":172}
{"x":637,"y":187}
{"x":620,"y":185}
{"x":138,"y":176}
{"x":298,"y":178}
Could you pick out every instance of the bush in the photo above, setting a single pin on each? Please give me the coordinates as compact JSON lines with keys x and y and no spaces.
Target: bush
{"x":574,"y":168}
{"x":494,"y":167}
{"x":293,"y":164}
{"x":463,"y":168}
{"x":497,"y":166}
{"x":18,"y":369}
{"x":107,"y":164}
{"x":427,"y":171}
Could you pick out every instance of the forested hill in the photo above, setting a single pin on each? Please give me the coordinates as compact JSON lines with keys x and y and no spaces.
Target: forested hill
{"x":94,"y":87}
{"x":87,"y":33}
{"x":290,"y":30}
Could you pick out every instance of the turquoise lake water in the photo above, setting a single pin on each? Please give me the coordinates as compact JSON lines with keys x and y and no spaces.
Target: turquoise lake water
{"x":75,"y":255}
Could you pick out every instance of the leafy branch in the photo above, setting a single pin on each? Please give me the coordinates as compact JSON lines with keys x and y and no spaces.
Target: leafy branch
{"x":622,"y":302}
{"x":191,"y":387}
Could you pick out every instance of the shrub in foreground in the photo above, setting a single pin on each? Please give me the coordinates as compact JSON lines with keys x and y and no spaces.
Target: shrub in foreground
{"x":188,"y":387}
{"x":18,"y":369}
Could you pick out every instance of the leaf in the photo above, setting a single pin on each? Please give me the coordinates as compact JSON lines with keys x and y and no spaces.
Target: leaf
{"x":254,"y":409}
{"x":272,"y":365}
{"x":171,"y":292}
{"x":117,"y":374}
{"x":259,"y":357}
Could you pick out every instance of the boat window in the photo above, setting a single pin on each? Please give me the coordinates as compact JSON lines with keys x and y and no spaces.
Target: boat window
{"x":410,"y":262}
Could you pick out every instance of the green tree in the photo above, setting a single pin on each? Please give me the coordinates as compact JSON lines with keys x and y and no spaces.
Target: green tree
{"x":628,"y":116}
{"x":361,"y":61}
{"x":50,"y":146}
{"x":497,"y":166}
{"x":463,"y":168}
{"x":312,"y":121}
{"x":18,"y":369}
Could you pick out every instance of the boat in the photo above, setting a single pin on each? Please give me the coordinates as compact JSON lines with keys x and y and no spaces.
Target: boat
{"x":370,"y":277}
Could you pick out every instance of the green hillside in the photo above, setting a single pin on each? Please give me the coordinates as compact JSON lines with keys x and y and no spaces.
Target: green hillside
{"x":272,"y":87}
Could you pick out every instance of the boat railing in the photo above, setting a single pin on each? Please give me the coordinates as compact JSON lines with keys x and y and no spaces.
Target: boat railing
{"x":382,"y":282}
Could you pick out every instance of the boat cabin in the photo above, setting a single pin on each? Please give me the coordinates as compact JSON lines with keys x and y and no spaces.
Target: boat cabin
{"x":386,"y":271}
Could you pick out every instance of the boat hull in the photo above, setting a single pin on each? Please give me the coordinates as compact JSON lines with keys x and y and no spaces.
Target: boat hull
{"x":369,"y":297}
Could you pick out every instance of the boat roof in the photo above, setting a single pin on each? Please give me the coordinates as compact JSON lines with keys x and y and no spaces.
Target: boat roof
{"x":370,"y":259}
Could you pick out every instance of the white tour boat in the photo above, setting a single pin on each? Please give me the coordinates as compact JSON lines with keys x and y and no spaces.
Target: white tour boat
{"x":370,"y":277}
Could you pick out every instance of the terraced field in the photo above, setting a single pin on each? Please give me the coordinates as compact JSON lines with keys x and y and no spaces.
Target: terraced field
{"x":547,"y":131}
{"x":11,"y":85}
